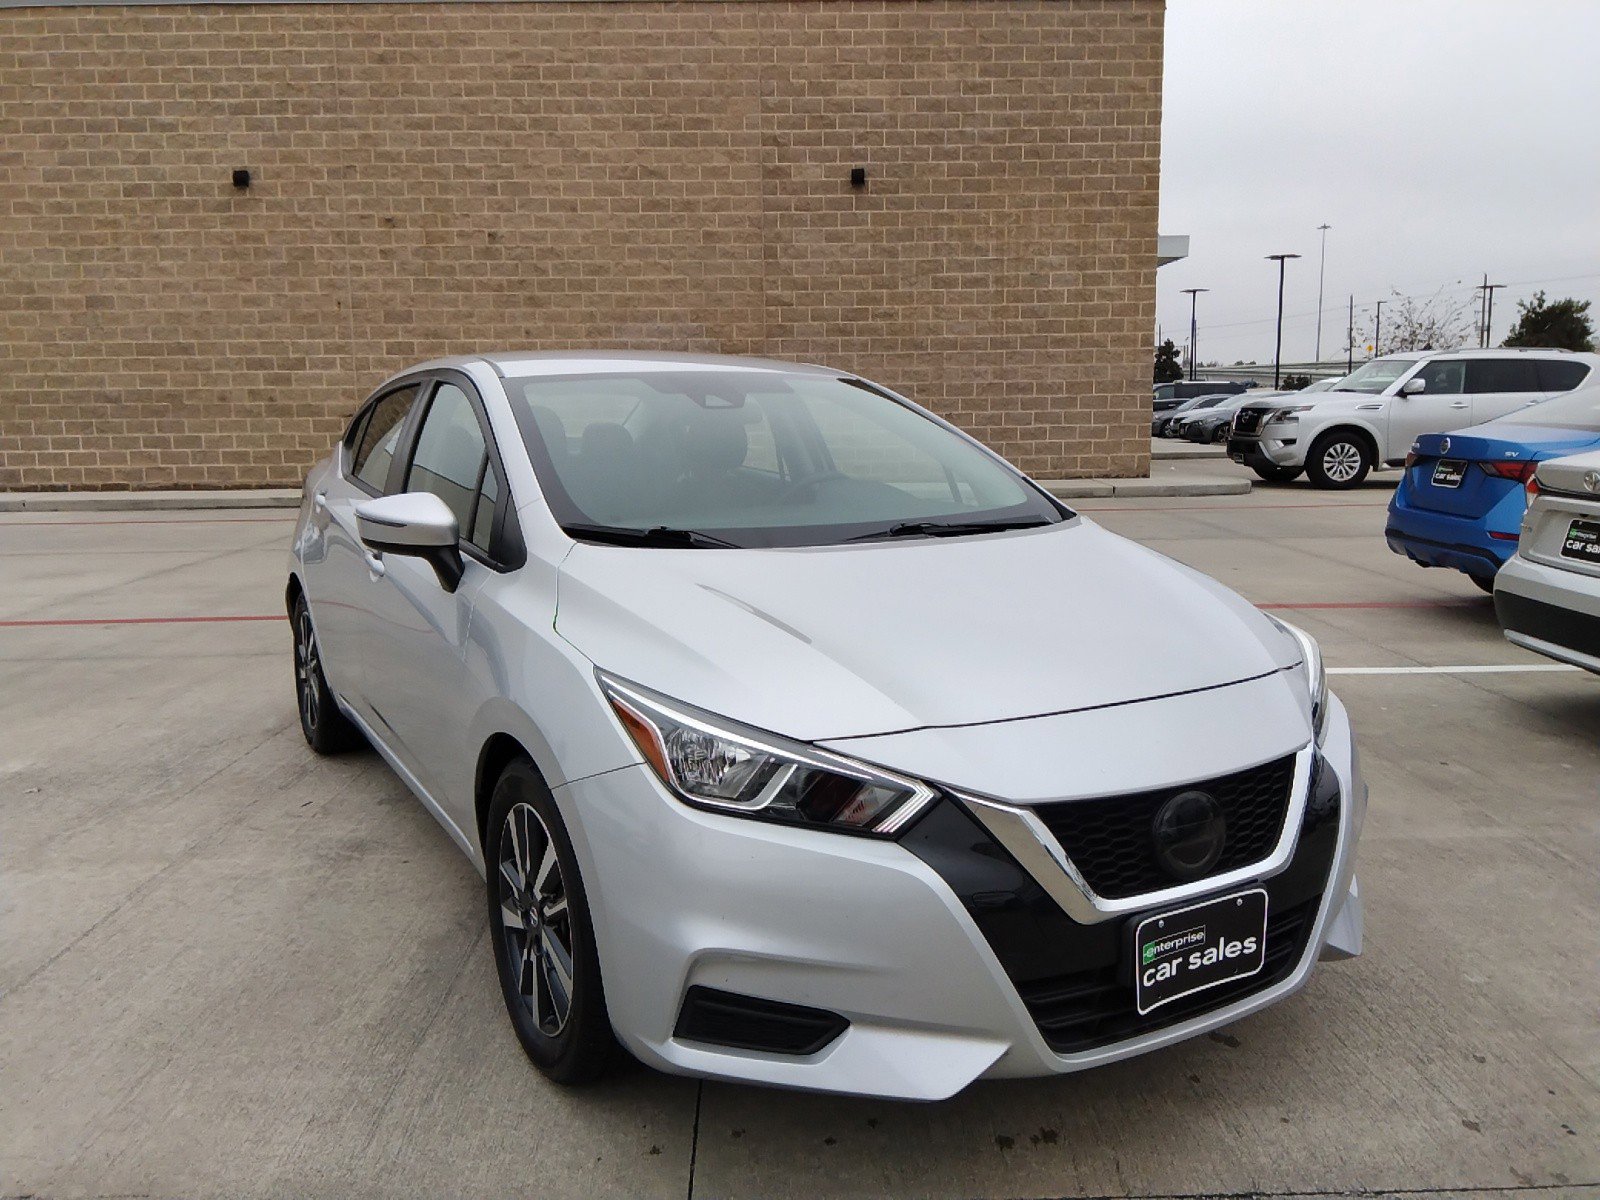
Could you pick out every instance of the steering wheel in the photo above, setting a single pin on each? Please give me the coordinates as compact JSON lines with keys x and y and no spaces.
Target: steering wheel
{"x":806,"y":481}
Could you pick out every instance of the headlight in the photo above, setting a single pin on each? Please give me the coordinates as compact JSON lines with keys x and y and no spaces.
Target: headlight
{"x":716,"y":764}
{"x":1286,"y":416}
{"x":1318,"y":678}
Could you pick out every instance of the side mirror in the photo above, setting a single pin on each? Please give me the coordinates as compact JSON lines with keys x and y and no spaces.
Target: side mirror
{"x":418,"y":524}
{"x":1413,"y":386}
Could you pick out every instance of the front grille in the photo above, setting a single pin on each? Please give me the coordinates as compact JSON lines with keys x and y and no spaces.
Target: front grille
{"x":1248,"y":420}
{"x":1095,"y":1008}
{"x":1110,"y":840}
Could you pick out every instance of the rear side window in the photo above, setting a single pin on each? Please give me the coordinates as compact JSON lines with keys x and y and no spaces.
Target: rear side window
{"x":1557,"y":376}
{"x":450,"y":455}
{"x":1502,"y":375}
{"x":380,"y":437}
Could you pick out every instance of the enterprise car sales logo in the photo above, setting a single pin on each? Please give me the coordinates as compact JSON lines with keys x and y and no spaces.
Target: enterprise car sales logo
{"x":1172,"y":943}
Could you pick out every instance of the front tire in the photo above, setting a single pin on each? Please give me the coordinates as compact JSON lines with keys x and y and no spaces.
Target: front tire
{"x":542,"y":933}
{"x":326,"y":729}
{"x":1339,"y":460}
{"x":1272,"y":473}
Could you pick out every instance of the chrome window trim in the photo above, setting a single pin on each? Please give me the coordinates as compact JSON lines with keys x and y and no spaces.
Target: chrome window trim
{"x":1021,"y":831}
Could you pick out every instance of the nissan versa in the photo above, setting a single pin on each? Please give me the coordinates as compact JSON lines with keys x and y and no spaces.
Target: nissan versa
{"x":801,"y":740}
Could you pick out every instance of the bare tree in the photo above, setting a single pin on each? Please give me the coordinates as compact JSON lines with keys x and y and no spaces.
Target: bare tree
{"x":1446,"y":320}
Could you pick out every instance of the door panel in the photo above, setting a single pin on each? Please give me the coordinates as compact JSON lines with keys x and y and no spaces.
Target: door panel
{"x":416,"y":634}
{"x":337,"y":565}
{"x":1441,"y":407}
{"x":416,"y":678}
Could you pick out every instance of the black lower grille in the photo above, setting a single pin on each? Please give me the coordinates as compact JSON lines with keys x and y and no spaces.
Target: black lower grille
{"x":751,"y":1023}
{"x":1094,"y":1008}
{"x":1110,"y":841}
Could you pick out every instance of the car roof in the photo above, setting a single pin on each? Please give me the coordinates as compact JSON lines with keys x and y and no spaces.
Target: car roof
{"x":525,"y":364}
{"x":1483,"y":352}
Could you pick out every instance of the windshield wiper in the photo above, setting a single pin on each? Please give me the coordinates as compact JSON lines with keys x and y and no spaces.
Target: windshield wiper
{"x":660,"y":535}
{"x":945,"y":529}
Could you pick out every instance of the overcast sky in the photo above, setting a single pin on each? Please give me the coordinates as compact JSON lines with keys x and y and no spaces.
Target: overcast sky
{"x":1439,"y":138}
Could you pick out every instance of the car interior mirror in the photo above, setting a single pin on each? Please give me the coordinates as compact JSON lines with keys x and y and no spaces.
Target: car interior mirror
{"x":418,"y":524}
{"x":1412,"y":386}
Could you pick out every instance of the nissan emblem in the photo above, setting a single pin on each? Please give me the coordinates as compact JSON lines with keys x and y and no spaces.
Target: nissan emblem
{"x":1591,"y":481}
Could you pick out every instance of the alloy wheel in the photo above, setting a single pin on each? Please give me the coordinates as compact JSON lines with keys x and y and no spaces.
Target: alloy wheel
{"x":1341,"y":461}
{"x":307,"y":664}
{"x":535,"y":920}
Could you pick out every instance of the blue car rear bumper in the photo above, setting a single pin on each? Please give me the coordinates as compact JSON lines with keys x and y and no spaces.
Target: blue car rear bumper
{"x":1461,"y":543}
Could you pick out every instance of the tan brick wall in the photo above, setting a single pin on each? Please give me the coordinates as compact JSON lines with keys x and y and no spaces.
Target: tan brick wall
{"x":443,"y":178}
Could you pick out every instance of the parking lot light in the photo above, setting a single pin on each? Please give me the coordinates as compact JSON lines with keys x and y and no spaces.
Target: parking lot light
{"x":1277,"y":352}
{"x":1192,"y":293}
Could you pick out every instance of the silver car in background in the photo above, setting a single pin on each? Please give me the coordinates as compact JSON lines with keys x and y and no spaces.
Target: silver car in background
{"x":801,"y":740}
{"x":1547,"y":597}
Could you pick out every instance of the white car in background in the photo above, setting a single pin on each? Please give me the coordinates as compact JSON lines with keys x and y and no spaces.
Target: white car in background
{"x":1377,"y":411}
{"x":1547,"y":598}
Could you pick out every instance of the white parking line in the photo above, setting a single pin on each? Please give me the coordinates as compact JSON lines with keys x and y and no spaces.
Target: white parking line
{"x":1496,"y":669}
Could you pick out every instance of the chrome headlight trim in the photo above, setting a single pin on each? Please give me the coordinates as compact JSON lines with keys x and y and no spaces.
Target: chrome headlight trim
{"x":660,"y":716}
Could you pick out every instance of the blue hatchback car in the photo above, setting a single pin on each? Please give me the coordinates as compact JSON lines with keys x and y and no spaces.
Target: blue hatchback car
{"x":1461,"y":500}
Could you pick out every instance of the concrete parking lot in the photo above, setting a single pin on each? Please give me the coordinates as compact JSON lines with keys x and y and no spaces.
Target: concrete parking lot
{"x":230,"y":968}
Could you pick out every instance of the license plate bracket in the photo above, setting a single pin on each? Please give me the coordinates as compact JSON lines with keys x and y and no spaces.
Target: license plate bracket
{"x":1582,"y":543}
{"x":1187,"y":950}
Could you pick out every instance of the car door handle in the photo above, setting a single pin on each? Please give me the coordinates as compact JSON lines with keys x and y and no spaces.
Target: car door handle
{"x":374,"y":563}
{"x":1460,"y":404}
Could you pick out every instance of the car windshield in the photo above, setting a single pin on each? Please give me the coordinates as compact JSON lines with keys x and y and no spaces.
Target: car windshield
{"x":707,"y":457}
{"x":1376,"y":376}
{"x":1579,"y":410}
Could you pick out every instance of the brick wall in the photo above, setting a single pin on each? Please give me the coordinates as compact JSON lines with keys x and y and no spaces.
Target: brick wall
{"x":439,"y":178}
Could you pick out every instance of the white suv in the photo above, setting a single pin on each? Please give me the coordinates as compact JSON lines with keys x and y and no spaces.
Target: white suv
{"x":1372,"y":415}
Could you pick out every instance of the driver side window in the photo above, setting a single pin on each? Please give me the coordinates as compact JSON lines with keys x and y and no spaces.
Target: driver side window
{"x":451,"y":455}
{"x":1444,"y":377}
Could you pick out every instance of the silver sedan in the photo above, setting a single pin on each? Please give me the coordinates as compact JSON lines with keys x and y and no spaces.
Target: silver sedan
{"x":801,"y":740}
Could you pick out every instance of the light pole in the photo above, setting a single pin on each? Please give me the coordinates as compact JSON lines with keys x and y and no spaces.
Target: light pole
{"x":1193,"y":294}
{"x":1488,"y":315}
{"x":1277,"y":354}
{"x":1350,"y":339}
{"x":1322,"y":262}
{"x":1377,"y":328}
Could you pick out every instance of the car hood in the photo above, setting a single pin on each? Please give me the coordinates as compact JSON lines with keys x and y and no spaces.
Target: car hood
{"x":1323,"y":402}
{"x":1501,"y":439}
{"x":847,"y":641}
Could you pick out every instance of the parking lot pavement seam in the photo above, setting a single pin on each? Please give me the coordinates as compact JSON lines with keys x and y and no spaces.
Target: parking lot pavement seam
{"x":287,"y":520}
{"x":68,"y":622}
{"x":421,"y":1035}
{"x":1485,"y":669}
{"x":198,"y":560}
{"x":694,"y":1135}
{"x":1515,"y":1189}
{"x":223,"y":827}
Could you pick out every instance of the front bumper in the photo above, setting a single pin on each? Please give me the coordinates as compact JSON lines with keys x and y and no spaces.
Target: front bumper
{"x":858,"y":927}
{"x":1266,"y":451}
